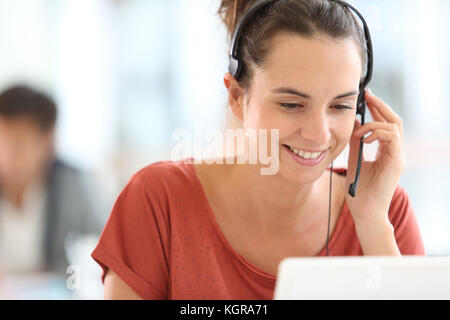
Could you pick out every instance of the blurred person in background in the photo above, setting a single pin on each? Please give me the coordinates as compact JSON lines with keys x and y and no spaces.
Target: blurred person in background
{"x":42,"y":199}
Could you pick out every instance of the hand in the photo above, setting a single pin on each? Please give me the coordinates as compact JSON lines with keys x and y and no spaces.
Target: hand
{"x":379,"y":179}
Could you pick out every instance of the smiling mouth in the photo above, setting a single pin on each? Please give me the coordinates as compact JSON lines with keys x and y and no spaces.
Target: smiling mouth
{"x":305,"y":154}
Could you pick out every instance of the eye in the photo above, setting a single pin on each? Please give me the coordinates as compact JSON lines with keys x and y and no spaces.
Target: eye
{"x":290,"y":106}
{"x":293,"y":106}
{"x":342,"y":107}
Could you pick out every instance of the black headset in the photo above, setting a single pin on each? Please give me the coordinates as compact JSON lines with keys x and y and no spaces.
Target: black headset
{"x":235,"y":66}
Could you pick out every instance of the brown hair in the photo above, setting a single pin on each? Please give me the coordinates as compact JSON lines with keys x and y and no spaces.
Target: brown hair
{"x":303,"y":17}
{"x":22,"y":102}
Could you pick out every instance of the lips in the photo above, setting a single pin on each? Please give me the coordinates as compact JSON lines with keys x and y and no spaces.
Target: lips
{"x":303,"y":161}
{"x":305,"y":154}
{"x":306,"y":150}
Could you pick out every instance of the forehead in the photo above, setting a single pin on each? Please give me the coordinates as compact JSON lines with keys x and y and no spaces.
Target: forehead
{"x":316,"y":64}
{"x":18,"y":128}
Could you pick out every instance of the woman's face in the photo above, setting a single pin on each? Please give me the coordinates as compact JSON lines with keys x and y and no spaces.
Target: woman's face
{"x":308,"y":89}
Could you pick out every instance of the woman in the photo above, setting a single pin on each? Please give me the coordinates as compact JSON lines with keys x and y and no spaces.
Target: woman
{"x":185,"y":231}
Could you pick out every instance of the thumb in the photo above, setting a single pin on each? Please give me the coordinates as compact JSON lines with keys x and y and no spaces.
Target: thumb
{"x":354,"y":150}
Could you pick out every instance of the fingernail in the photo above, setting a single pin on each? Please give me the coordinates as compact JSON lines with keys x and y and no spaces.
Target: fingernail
{"x":369,"y":91}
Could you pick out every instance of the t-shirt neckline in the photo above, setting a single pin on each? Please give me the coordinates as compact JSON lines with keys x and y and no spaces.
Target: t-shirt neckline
{"x":265,"y":275}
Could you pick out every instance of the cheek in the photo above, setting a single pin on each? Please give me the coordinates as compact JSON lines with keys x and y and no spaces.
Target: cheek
{"x":261,"y":116}
{"x":344,"y":132}
{"x":29,"y":155}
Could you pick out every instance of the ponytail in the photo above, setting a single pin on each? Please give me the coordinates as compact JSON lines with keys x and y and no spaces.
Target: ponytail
{"x":231,"y":11}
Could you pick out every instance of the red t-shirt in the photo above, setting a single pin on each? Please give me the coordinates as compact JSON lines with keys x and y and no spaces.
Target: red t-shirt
{"x":163,"y":241}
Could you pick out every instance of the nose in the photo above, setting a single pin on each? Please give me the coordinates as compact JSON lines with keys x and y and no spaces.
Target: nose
{"x":316,"y":129}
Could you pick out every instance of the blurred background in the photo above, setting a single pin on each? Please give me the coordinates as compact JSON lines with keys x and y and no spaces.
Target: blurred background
{"x":125,"y":74}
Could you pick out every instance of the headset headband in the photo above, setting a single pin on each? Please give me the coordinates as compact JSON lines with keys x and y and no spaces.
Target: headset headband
{"x":235,"y":66}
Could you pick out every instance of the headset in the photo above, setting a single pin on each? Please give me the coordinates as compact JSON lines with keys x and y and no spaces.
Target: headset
{"x":235,"y":69}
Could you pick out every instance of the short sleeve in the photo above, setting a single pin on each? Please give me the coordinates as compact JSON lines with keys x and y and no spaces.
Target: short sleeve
{"x":404,"y":221}
{"x":134,"y":242}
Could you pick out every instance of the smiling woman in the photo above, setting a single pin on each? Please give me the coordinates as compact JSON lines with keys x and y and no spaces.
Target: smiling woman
{"x":181,"y":230}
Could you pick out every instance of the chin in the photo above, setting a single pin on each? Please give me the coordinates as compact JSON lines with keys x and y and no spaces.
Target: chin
{"x":296,"y":172}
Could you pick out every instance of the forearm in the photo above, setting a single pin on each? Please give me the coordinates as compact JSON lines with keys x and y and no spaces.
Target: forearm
{"x":377,"y":238}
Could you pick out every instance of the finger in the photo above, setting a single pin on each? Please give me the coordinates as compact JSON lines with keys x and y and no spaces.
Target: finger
{"x":356,"y":127}
{"x":384,"y":109}
{"x":373,"y":126}
{"x":383,"y":136}
{"x":376,"y":115}
{"x":389,"y":146}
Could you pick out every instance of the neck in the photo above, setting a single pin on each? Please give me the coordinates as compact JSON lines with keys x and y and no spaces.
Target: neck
{"x":275,"y":200}
{"x":15,"y":194}
{"x":15,"y":191}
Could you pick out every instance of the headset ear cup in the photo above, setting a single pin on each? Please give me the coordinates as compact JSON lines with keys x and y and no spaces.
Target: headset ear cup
{"x":234,"y":67}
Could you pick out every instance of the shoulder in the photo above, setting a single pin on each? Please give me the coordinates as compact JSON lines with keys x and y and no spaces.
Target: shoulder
{"x":60,"y":170}
{"x":150,"y":194}
{"x":164,"y":169}
{"x":65,"y":181}
{"x":162,"y":184}
{"x":401,"y":205}
{"x":164,"y":175}
{"x":406,"y":225}
{"x":64,"y":178}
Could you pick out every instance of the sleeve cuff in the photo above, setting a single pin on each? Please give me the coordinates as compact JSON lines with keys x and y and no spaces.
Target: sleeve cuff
{"x":107,"y":261}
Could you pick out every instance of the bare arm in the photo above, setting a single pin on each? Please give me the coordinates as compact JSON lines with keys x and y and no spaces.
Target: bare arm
{"x":116,"y":289}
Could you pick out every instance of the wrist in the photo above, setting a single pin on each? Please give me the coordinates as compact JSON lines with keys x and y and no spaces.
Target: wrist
{"x":377,"y":237}
{"x":378,"y":222}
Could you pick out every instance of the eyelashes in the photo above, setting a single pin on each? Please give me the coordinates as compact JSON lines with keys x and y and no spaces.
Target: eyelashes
{"x":295,"y":106}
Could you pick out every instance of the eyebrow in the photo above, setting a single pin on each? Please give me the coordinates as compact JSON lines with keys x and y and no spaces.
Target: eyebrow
{"x":307,"y":96}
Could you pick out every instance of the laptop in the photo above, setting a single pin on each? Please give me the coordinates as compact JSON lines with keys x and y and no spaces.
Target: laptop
{"x":364,"y":278}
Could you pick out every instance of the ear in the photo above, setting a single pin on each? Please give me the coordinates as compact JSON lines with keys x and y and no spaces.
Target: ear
{"x":235,"y":96}
{"x":49,"y":141}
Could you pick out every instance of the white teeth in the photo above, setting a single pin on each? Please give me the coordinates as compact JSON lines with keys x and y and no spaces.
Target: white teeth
{"x":305,"y":155}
